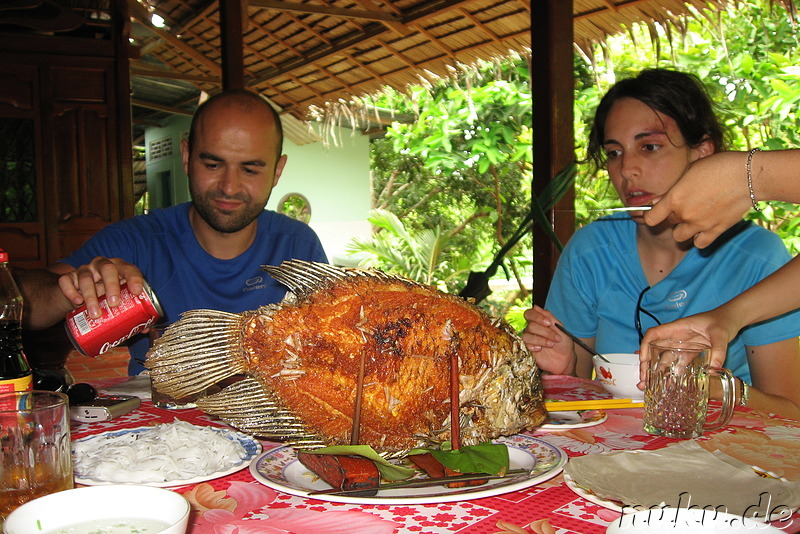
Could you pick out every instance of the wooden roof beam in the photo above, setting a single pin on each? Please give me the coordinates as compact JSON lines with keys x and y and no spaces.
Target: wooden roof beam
{"x":141,"y":15}
{"x":370,"y":32}
{"x":401,"y":29}
{"x":293,"y":102}
{"x":160,"y":107}
{"x":481,"y":25}
{"x":232,"y":21}
{"x":297,"y":52}
{"x":172,"y":75}
{"x":279,"y":5}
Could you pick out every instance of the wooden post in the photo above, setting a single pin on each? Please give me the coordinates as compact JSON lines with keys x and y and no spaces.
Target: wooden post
{"x":121,"y":24}
{"x":552,"y":80}
{"x":231,"y":27}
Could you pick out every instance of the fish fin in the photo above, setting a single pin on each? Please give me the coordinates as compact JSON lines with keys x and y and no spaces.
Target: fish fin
{"x":197,"y":351}
{"x":305,"y":277}
{"x":252,"y":408}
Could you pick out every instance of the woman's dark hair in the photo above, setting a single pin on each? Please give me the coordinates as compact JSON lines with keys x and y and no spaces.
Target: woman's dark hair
{"x":678,"y":95}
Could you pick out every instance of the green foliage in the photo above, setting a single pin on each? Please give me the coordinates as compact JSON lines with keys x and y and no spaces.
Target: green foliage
{"x":747,"y":56}
{"x":463,"y":168}
{"x":453,"y":186}
{"x":421,"y":254}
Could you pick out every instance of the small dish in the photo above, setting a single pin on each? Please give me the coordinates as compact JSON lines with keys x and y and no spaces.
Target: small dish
{"x":619,"y":375}
{"x":573,"y":419}
{"x":142,"y":509}
{"x":251,"y":446}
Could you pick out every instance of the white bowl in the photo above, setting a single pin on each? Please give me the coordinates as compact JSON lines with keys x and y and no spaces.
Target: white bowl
{"x":620,"y":376}
{"x":686,"y":521}
{"x":165,"y":511}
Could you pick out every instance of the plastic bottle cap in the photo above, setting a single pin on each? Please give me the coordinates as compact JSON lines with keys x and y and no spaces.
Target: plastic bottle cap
{"x":3,"y":256}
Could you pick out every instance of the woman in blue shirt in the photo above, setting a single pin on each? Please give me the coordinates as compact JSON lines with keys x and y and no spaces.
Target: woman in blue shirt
{"x":617,"y":277}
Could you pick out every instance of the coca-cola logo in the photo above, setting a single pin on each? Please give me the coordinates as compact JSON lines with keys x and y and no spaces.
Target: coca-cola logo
{"x":133,"y":331}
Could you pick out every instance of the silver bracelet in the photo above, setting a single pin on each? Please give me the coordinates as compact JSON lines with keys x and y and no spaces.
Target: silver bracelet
{"x":750,"y":178}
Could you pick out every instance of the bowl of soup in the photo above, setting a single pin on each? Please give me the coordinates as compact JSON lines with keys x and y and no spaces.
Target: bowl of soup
{"x":112,"y":509}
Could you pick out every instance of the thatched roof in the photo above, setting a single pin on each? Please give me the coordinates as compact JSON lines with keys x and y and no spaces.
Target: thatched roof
{"x":305,"y":53}
{"x":300,"y":58}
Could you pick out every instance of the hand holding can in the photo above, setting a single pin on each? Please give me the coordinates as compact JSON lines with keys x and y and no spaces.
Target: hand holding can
{"x":132,"y":316}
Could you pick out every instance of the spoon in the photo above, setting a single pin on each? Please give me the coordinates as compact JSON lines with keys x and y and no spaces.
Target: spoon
{"x":582,"y":344}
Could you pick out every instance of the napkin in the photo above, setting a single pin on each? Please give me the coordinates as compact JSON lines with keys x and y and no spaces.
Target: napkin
{"x":138,"y":386}
{"x":683,"y":476}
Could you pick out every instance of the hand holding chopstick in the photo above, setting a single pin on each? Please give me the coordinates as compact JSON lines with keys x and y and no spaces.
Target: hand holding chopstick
{"x":581,"y":343}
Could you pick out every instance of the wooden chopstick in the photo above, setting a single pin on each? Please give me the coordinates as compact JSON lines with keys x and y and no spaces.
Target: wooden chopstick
{"x":511,"y":475}
{"x":597,"y":404}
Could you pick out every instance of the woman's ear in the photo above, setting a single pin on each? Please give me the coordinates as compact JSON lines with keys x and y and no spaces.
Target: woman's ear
{"x":705,"y":148}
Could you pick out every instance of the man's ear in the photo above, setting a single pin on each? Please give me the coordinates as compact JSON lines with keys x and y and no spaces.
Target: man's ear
{"x":279,"y":169}
{"x":185,"y":155}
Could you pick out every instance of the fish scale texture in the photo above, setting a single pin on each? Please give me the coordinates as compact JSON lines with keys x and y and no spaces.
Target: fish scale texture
{"x":308,"y":353}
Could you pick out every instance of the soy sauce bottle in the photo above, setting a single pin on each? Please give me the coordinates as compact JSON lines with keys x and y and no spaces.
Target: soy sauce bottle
{"x":15,"y":373}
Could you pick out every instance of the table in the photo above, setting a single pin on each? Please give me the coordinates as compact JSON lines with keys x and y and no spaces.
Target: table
{"x":239,"y":501}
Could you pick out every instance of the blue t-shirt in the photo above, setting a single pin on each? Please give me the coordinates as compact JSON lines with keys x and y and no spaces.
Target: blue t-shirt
{"x":599,"y":278}
{"x":184,"y":276}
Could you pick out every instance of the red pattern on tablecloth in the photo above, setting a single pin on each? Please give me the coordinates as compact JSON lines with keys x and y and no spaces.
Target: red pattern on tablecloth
{"x":237,"y":501}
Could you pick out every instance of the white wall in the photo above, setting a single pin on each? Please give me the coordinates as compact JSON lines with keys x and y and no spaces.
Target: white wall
{"x":174,"y":129}
{"x":335,"y":180}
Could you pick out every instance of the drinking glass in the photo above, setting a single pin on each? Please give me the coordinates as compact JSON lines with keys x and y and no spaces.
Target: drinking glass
{"x":35,"y":447}
{"x":676,"y":395}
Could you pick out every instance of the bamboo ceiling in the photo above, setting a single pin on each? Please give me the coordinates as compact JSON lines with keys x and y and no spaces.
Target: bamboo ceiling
{"x":320,"y":51}
{"x":310,"y":53}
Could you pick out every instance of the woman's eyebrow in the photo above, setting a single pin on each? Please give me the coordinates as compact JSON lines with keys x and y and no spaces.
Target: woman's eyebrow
{"x":642,"y":135}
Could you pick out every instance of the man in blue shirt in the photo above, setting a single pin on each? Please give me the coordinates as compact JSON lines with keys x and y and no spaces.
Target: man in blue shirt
{"x":206,"y":253}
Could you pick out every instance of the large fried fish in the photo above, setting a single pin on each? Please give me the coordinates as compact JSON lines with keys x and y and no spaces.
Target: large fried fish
{"x":341,"y":331}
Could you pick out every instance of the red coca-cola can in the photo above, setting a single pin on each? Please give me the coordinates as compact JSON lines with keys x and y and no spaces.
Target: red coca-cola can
{"x":93,"y":337}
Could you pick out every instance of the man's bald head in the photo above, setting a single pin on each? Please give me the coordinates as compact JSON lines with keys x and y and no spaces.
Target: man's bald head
{"x":239,"y":99}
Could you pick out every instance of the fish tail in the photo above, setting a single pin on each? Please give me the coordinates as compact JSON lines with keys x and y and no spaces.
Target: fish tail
{"x":249,"y":407}
{"x":197,"y":351}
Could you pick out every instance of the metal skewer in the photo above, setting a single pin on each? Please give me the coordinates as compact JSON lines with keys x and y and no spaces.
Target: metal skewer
{"x":627,"y":208}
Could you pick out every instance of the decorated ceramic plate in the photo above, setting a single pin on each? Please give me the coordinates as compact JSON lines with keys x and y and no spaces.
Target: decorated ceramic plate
{"x":575,"y":419}
{"x":280,"y":470}
{"x":252,"y":449}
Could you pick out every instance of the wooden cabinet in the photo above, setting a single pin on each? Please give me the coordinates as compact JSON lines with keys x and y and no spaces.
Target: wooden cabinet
{"x":71,"y":98}
{"x":22,"y":225}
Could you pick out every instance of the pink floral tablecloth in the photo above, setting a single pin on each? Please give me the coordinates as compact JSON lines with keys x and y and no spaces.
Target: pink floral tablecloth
{"x":238,"y":503}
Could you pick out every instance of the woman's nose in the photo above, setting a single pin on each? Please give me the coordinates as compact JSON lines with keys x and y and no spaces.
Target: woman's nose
{"x":629,"y":167}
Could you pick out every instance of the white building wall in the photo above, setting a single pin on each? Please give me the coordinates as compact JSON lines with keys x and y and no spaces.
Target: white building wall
{"x":334,"y":179}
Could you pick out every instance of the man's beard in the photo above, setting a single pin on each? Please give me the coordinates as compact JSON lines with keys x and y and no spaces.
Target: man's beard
{"x":216,"y":218}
